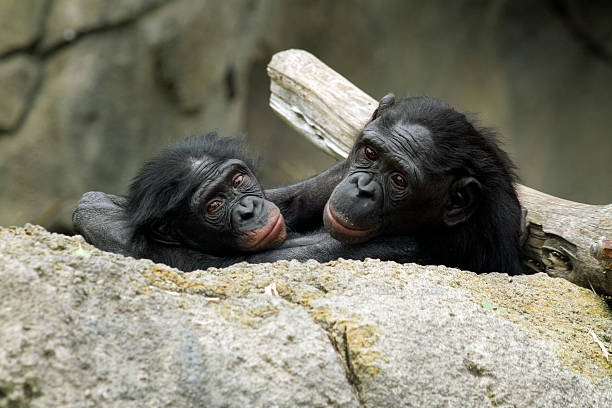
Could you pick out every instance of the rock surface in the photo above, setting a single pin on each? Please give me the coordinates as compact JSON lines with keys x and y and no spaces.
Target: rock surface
{"x":20,"y":23}
{"x":18,"y":79}
{"x":66,"y":20}
{"x":81,"y":327}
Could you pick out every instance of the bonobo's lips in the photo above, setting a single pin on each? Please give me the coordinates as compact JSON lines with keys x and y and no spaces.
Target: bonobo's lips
{"x":343,"y":231}
{"x":270,"y":235}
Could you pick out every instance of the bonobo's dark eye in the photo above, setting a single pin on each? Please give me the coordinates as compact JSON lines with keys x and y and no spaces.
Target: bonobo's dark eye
{"x":237,"y":180}
{"x":399,"y":180}
{"x":213,"y":205}
{"x":370,"y":153}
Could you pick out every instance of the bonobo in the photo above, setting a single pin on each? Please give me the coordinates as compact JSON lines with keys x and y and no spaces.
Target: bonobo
{"x":201,"y":194}
{"x":198,"y":204}
{"x":422,"y":170}
{"x":421,"y":184}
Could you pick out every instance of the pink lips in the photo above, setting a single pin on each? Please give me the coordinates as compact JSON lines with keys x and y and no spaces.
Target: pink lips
{"x":344,"y":232}
{"x":272,"y":234}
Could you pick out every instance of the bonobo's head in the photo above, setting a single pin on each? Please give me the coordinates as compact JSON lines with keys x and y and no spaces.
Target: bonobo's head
{"x":417,"y":166}
{"x":202,"y":193}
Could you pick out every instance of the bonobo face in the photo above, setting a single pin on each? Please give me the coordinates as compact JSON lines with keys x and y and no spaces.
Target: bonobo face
{"x":227,"y":211}
{"x":395,"y":184}
{"x":387,"y":189}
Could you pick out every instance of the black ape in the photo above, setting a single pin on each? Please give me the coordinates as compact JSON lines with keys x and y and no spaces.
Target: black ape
{"x":200,"y":193}
{"x":421,"y":184}
{"x":198,"y":204}
{"x":420,"y":168}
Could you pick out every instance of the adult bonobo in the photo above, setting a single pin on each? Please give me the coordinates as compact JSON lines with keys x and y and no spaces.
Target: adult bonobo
{"x":421,"y":169}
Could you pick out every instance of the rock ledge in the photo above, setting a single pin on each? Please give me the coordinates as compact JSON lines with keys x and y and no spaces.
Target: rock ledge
{"x":81,"y":327}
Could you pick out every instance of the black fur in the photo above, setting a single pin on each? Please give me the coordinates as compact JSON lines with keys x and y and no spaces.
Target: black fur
{"x":457,"y":205}
{"x":163,"y":218}
{"x":489,"y":240}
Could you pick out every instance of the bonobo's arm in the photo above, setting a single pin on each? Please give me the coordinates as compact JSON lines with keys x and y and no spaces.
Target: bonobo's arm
{"x":323,"y":248}
{"x":302,"y":203}
{"x":318,"y":246}
{"x":100,"y":218}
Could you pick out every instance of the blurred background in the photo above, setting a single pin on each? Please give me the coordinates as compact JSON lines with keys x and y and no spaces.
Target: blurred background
{"x":90,"y":89}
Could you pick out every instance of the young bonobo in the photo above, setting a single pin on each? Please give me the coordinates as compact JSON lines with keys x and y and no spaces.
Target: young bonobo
{"x":198,"y":204}
{"x":201,"y":193}
{"x":421,"y":184}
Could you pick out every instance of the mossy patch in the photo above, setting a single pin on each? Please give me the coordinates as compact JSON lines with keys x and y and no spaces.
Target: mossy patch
{"x":245,"y":315}
{"x":353,"y":339}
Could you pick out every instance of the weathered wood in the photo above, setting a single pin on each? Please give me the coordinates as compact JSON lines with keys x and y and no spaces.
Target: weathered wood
{"x":317,"y":101}
{"x":565,"y":239}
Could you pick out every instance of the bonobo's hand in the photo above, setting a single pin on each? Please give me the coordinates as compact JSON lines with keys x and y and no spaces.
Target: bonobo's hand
{"x":100,"y":218}
{"x":302,"y":203}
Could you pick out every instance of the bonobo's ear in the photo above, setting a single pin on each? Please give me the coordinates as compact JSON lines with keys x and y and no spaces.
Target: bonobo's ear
{"x":386,"y":102}
{"x":463,"y":199}
{"x":162,"y":232}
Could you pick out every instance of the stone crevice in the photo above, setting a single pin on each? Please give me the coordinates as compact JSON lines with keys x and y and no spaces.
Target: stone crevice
{"x":72,"y":37}
{"x":29,"y":101}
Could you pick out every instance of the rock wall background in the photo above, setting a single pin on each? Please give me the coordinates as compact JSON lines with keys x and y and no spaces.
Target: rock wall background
{"x":91,"y":89}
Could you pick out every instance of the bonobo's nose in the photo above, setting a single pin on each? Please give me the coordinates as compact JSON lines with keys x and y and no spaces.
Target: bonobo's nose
{"x":247,"y":207}
{"x":249,"y":213}
{"x":366,"y":188}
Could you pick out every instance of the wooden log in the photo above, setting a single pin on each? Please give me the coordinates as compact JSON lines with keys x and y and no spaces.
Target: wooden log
{"x":564,"y":238}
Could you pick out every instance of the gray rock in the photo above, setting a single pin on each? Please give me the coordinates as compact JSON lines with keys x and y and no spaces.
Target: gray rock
{"x":437,"y":347}
{"x":18,"y":79}
{"x":81,"y":327}
{"x":208,"y":53}
{"x":104,"y":335}
{"x":20,"y":23}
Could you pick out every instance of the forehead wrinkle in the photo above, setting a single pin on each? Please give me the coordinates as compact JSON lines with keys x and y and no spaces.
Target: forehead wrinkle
{"x":406,"y":145}
{"x":411,"y":144}
{"x":398,"y":158}
{"x":205,"y":169}
{"x":376,"y":140}
{"x":414,"y":140}
{"x":208,"y":172}
{"x":410,"y":168}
